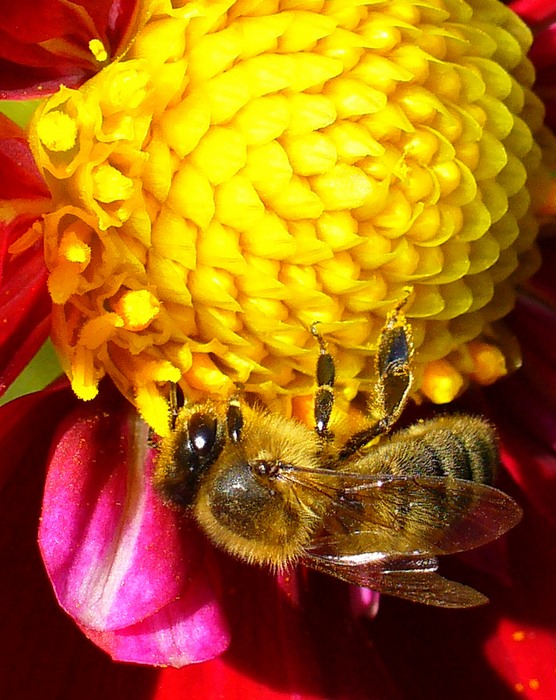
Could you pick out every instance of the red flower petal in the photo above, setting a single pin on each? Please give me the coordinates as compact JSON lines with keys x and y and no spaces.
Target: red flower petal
{"x":294,"y":637}
{"x":524,"y":405}
{"x":534,"y":11}
{"x":44,"y":43}
{"x":540,"y":15}
{"x":19,"y":174}
{"x":24,"y":301}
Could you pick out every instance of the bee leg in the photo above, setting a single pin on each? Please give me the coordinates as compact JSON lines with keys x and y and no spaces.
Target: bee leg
{"x":393,"y":368}
{"x":394,"y":380}
{"x":324,"y":395}
{"x":176,"y":402}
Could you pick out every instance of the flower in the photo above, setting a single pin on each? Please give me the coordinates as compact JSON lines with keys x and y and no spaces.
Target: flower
{"x":375,"y":145}
{"x":139,"y":583}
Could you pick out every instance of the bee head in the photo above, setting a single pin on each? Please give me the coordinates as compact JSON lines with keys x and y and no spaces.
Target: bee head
{"x":223,"y":462}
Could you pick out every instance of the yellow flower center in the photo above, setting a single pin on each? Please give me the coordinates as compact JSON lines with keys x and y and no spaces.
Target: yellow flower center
{"x":249,"y":168}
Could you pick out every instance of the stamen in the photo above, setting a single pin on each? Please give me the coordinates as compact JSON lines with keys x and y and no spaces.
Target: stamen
{"x":96,"y":47}
{"x":137,"y":309}
{"x":441,"y":382}
{"x":57,"y":131}
{"x":489,"y":364}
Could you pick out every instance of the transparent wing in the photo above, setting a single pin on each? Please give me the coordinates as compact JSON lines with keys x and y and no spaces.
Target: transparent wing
{"x":412,"y":577}
{"x":404,"y":514}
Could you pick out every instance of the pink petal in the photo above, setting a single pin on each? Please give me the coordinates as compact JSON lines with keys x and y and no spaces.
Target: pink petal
{"x":114,"y":553}
{"x":43,"y":654}
{"x":188,"y":630}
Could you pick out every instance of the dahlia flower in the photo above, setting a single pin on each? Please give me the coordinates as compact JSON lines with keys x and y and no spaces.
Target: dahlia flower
{"x":206,"y":180}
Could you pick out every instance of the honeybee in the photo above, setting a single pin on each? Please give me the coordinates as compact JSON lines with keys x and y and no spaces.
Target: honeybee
{"x":371,"y":507}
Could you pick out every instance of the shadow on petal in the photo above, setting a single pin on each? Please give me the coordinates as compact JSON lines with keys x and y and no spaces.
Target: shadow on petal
{"x":293,"y":636}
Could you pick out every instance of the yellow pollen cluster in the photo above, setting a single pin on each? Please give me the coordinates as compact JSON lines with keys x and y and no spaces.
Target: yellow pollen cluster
{"x":250,"y":167}
{"x":96,"y":47}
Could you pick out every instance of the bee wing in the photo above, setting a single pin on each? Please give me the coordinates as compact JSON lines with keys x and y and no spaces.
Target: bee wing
{"x":404,"y":514}
{"x":412,"y":577}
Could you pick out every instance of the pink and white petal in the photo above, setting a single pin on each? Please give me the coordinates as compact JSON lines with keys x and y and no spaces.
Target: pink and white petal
{"x":114,"y":552}
{"x":42,"y":652}
{"x":188,"y":630}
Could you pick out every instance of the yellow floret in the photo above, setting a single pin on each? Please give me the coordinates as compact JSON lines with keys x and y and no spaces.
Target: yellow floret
{"x":248,"y":168}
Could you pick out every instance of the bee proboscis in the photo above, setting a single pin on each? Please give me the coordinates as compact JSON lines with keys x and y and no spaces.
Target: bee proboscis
{"x":371,"y":507}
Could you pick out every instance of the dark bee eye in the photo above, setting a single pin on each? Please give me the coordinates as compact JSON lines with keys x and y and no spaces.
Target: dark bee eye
{"x":202,"y":434}
{"x":197,"y":447}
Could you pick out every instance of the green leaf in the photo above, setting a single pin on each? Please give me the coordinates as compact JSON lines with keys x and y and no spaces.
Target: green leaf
{"x":40,"y":372}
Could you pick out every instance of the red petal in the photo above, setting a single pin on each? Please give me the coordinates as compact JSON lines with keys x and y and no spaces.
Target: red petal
{"x":19,"y":174}
{"x":524,"y":405}
{"x":46,"y":42}
{"x":293,"y":637}
{"x":534,"y":11}
{"x":540,"y":15}
{"x":24,"y":301}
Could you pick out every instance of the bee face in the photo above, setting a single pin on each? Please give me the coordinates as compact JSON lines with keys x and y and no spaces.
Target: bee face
{"x":272,"y":491}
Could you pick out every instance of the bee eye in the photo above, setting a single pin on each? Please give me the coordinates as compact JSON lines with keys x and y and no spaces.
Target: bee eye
{"x":202,"y":434}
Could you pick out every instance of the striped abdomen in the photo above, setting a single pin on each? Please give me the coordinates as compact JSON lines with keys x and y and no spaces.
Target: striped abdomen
{"x":463,"y":447}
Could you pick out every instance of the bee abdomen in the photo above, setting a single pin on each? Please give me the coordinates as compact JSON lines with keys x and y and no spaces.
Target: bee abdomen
{"x":462,"y":447}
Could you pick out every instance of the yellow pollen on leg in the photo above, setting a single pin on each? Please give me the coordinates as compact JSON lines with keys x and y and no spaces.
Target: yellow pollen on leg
{"x":151,"y":404}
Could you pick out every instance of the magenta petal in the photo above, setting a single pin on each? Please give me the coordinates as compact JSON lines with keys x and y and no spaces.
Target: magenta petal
{"x":188,"y":630}
{"x":113,"y":551}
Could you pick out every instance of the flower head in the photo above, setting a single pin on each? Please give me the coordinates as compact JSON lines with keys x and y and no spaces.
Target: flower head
{"x":234,"y":172}
{"x":245,"y":170}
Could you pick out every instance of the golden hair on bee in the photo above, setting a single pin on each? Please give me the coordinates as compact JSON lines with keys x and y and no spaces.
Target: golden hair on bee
{"x":373,"y":507}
